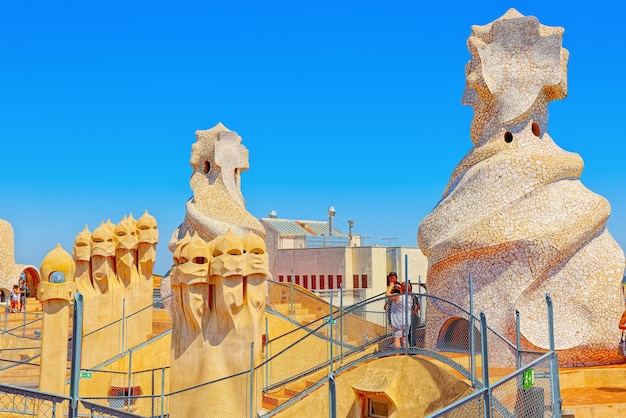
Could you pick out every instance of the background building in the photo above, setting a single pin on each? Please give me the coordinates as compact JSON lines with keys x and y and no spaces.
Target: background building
{"x":321,"y":258}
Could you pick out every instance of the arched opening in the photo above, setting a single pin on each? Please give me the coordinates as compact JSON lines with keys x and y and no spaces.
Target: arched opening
{"x":454,"y":336}
{"x":4,"y":295}
{"x":31,"y":274}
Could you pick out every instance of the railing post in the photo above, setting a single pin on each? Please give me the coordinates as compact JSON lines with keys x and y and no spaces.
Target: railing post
{"x":77,"y":344}
{"x":518,"y":341}
{"x":406,"y":268}
{"x":471,"y":331}
{"x":341,"y":323}
{"x":419,"y":298}
{"x":332,"y":396}
{"x":152,"y":397}
{"x":130,"y":379}
{"x":555,"y":387}
{"x":122,"y":327}
{"x":330,"y":333}
{"x":407,"y":316}
{"x":252,"y":379}
{"x":163,"y":391}
{"x":292,"y":302}
{"x":485,"y":354}
{"x":267,"y":353}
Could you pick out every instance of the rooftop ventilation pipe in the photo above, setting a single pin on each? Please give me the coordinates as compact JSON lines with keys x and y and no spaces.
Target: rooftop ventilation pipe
{"x":331,"y":216}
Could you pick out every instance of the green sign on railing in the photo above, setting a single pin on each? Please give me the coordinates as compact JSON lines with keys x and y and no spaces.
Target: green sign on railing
{"x":85,"y":375}
{"x":529,"y":378}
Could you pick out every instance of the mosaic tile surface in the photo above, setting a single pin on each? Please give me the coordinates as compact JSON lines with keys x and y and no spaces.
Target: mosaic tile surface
{"x":515,"y":214}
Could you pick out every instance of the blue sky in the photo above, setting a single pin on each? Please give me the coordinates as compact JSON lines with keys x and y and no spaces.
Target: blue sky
{"x":350,"y":104}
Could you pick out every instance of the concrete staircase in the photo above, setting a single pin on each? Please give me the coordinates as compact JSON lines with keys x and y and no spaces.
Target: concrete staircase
{"x":20,"y":343}
{"x":278,"y":397}
{"x":296,"y":312}
{"x":160,"y":322}
{"x":24,"y":342}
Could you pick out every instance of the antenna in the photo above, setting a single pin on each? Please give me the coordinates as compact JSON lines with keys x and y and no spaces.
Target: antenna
{"x":388,"y":240}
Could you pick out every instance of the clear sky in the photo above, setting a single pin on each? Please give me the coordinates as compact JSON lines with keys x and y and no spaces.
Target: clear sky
{"x":350,"y":104}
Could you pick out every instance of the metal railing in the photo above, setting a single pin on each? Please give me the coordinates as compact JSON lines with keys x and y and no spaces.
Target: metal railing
{"x":332,"y":339}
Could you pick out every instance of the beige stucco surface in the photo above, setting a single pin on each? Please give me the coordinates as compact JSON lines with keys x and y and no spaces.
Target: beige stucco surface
{"x":114,"y":274}
{"x":218,"y":281}
{"x":415,"y":386}
{"x":217,"y":158}
{"x":515,"y":214}
{"x":56,"y":299}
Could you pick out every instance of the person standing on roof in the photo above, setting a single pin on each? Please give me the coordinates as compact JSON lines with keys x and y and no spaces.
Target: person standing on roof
{"x":399,"y":317}
{"x":23,"y":289}
{"x":392,"y":280}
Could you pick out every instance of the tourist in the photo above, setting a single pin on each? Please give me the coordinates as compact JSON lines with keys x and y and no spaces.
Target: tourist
{"x":415,"y":308}
{"x":392,"y":279}
{"x":398,"y":314}
{"x":23,"y":289}
{"x":15,"y":298}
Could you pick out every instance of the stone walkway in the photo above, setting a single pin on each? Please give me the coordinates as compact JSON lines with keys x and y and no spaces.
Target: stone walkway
{"x":594,"y":392}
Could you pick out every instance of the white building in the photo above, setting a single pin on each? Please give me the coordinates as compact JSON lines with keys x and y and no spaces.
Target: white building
{"x":308,"y":254}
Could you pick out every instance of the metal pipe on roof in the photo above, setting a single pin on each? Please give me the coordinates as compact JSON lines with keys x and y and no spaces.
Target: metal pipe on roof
{"x":331,"y":215}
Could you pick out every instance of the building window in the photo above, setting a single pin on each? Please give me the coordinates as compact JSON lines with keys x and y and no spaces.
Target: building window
{"x":298,"y":279}
{"x":355,"y":281}
{"x":377,"y":408}
{"x":363,"y":281}
{"x":339,"y":281}
{"x":331,"y":282}
{"x":313,"y":282}
{"x":322,"y":284}
{"x":281,"y":278}
{"x":305,"y":281}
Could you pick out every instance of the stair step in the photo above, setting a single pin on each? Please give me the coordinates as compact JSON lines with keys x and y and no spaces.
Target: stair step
{"x":160,"y":315}
{"x":275,"y":399}
{"x":305,"y":318}
{"x":160,"y":326}
{"x":289,"y":308}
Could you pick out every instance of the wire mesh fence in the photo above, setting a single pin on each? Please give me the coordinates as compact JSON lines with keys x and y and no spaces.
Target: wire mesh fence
{"x":22,"y":402}
{"x":325,"y":338}
{"x":525,"y":393}
{"x":469,"y":407}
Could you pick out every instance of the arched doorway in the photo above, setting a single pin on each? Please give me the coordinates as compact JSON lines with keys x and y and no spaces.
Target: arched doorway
{"x":31,"y":274}
{"x":454,"y":336}
{"x":4,"y":295}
